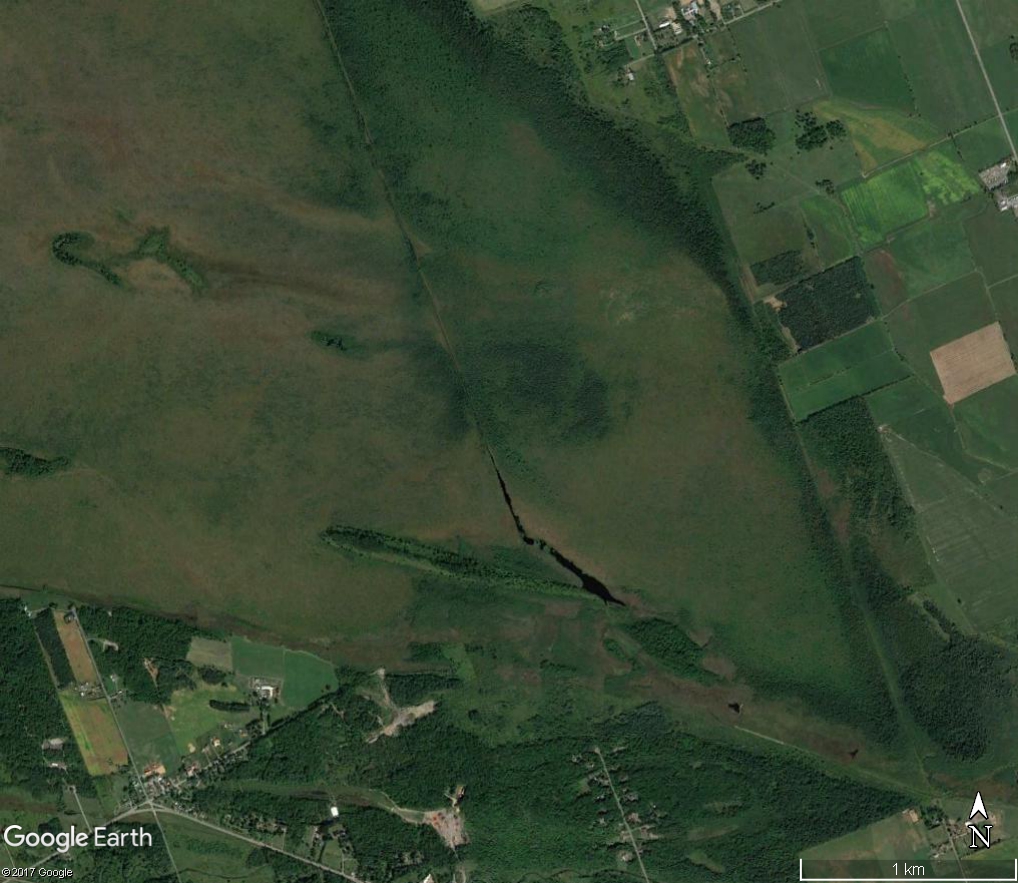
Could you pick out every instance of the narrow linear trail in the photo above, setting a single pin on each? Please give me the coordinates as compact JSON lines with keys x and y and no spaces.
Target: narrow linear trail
{"x":588,"y":582}
{"x":622,"y":814}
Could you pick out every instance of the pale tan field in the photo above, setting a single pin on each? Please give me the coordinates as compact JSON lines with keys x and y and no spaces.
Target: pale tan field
{"x":76,"y":650}
{"x":973,"y":362}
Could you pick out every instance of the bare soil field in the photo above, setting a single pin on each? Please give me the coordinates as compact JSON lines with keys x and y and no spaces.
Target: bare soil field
{"x":973,"y":362}
{"x":77,"y":653}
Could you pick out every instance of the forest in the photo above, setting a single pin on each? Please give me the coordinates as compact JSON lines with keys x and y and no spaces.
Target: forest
{"x":139,"y":636}
{"x":30,"y":712}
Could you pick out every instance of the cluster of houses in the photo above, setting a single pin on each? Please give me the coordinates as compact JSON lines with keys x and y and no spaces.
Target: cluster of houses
{"x":997,"y":179}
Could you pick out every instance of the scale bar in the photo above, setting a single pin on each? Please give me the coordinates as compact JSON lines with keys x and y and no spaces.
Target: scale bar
{"x":1012,"y":879}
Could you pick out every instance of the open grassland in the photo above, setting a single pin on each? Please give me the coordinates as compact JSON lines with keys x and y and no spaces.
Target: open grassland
{"x":96,"y":733}
{"x":879,"y":135}
{"x":213,"y":432}
{"x":519,"y":227}
{"x":305,"y":678}
{"x":902,"y":836}
{"x":201,"y":854}
{"x":696,"y":95}
{"x":867,"y":70}
{"x":777,"y":54}
{"x":255,"y":355}
{"x":833,"y":236}
{"x":192,"y":720}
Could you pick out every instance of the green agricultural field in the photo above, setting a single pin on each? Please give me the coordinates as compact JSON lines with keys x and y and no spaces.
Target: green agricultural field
{"x":984,"y":144}
{"x":721,"y":47}
{"x":879,"y":135}
{"x":1005,"y":303}
{"x":304,"y":676}
{"x":938,"y":317}
{"x":882,"y":204}
{"x":778,"y":57}
{"x":932,"y":428}
{"x":895,"y":9}
{"x":851,"y":365}
{"x":992,"y":237}
{"x":995,"y":25}
{"x":944,"y":179}
{"x":929,"y":255}
{"x":867,"y":70}
{"x":988,"y":423}
{"x":899,"y":401}
{"x":148,"y":735}
{"x":833,"y":21}
{"x":888,"y":285}
{"x":941,"y":66}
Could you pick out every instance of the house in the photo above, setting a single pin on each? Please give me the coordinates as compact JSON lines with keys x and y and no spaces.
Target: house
{"x":1006,"y":201}
{"x":997,"y":175}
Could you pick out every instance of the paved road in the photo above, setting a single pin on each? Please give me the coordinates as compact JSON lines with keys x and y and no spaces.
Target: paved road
{"x":158,"y":808}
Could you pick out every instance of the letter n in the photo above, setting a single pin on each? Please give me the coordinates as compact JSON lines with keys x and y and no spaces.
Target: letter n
{"x":976,"y":833}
